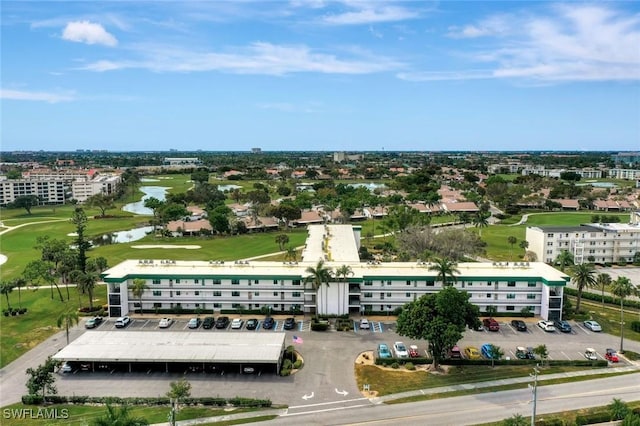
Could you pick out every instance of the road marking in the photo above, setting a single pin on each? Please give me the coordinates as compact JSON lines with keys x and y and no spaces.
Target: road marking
{"x":305,"y":396}
{"x":567,"y":356}
{"x":341,"y":401}
{"x":342,"y":392}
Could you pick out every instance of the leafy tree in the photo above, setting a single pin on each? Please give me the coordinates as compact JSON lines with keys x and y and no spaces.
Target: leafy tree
{"x":179,"y":391}
{"x":564,"y":259}
{"x":583,"y":276}
{"x":542,"y":352}
{"x":400,"y":217}
{"x":602,"y":281}
{"x":172,"y":211}
{"x":618,"y":409}
{"x":282,"y":240}
{"x":317,"y":277}
{"x":622,"y":288}
{"x":440,"y":319}
{"x":79,"y":219}
{"x":446,"y":270}
{"x":119,"y":416}
{"x":6,"y":288}
{"x":41,"y":379}
{"x":102,"y":202}
{"x":516,"y":420}
{"x":287,"y":212}
{"x":200,"y":176}
{"x":495,"y":353}
{"x":138,"y":287}
{"x":66,"y":320}
{"x":454,"y":244}
{"x":491,"y":310}
{"x":26,"y":202}
{"x":37,"y":270}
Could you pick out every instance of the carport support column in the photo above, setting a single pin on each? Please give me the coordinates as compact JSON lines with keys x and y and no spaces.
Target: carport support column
{"x":166,"y":367}
{"x":129,"y":367}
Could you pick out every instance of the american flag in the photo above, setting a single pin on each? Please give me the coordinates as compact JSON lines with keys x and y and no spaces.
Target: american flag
{"x":297,"y":339}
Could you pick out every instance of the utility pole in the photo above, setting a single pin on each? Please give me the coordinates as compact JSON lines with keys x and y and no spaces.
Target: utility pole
{"x":534,"y":391}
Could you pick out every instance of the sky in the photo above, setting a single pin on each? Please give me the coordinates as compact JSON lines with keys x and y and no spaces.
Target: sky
{"x":315,"y":75}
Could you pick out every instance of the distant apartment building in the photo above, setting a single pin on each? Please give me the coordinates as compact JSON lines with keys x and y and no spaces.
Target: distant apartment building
{"x":628,"y":158}
{"x":586,"y":173}
{"x":511,"y":167}
{"x":82,"y":189}
{"x":47,"y":191}
{"x":181,"y":162}
{"x":339,"y":157}
{"x":627,"y":174}
{"x":594,"y":242}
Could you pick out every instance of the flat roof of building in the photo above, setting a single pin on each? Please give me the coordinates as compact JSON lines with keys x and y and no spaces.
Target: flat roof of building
{"x":591,"y":227}
{"x":175,"y":346}
{"x":330,"y":243}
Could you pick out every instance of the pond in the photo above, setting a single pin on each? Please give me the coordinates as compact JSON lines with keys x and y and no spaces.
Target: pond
{"x":370,"y":186}
{"x":228,"y":187}
{"x":122,"y":236}
{"x":149,"y":191}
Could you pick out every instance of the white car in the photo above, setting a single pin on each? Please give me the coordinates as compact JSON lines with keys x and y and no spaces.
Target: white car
{"x":66,"y":368}
{"x":165,"y":322}
{"x":364,"y":324}
{"x":236,"y":324}
{"x":590,"y":354}
{"x":400,"y":350}
{"x":122,"y":322}
{"x":547,"y":326}
{"x":592,"y":325}
{"x":193,"y":323}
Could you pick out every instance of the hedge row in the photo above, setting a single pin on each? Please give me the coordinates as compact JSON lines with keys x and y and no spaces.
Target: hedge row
{"x":607,"y":299}
{"x":162,"y":401}
{"x":573,"y":363}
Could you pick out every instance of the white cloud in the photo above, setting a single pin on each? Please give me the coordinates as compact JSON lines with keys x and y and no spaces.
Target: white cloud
{"x":492,"y":26}
{"x":89,"y":33}
{"x":370,"y":14}
{"x":446,"y":75}
{"x":22,"y":95}
{"x":257,"y":58}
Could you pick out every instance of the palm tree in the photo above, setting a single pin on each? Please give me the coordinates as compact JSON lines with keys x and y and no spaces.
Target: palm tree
{"x":318,"y":276}
{"x":67,"y":320}
{"x":622,"y":288}
{"x":583,"y":277}
{"x":564,"y":259}
{"x":86,"y":283}
{"x":524,"y":245}
{"x":603,"y":280}
{"x":343,"y":272}
{"x":19,"y":283}
{"x":480,"y":221}
{"x":446,"y":270}
{"x":282,"y":240}
{"x":119,"y":417}
{"x":138,"y":288}
{"x":512,"y":241}
{"x":291,"y":254}
{"x":6,"y":287}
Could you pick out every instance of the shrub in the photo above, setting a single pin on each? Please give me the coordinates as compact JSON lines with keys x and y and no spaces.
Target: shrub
{"x":286,"y":365}
{"x":320,"y":326}
{"x":32,"y":399}
{"x":635,"y":326}
{"x":409,"y":366}
{"x":285,"y":372}
{"x":297,"y":364}
{"x":395,"y":365}
{"x":589,"y":419}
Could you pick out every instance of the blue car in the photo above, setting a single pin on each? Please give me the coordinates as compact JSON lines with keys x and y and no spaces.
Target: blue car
{"x":486,"y":351}
{"x":383,"y":351}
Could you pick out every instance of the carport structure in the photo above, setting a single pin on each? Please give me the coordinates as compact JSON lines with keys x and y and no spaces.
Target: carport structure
{"x":175,"y":351}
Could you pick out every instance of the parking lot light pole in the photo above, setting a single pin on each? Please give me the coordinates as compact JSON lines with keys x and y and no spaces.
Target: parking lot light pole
{"x":534,"y":390}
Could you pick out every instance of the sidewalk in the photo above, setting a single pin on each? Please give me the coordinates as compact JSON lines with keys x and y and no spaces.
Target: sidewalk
{"x":430,"y":391}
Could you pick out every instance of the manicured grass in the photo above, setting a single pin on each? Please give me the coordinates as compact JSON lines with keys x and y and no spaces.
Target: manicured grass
{"x":83,"y":414}
{"x":609,"y":318}
{"x":23,"y":332}
{"x":569,"y":218}
{"x":387,"y":382}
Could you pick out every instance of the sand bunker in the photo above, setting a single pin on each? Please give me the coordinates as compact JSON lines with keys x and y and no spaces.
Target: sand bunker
{"x":168,"y":246}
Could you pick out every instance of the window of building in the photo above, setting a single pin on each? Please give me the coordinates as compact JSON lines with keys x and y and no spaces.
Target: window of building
{"x":469,"y":284}
{"x":511,"y":308}
{"x":296,"y":282}
{"x":368,"y":283}
{"x":368,"y":295}
{"x":196,"y":281}
{"x":178,"y":293}
{"x":511,"y":284}
{"x":177,"y":280}
{"x":235,"y":306}
{"x":155,"y":281}
{"x":235,"y":294}
{"x":488,"y":295}
{"x":235,"y":281}
{"x":197,"y":305}
{"x":256,"y":281}
{"x":430,"y":283}
{"x":215,"y":281}
{"x":295,"y":294}
{"x":489,"y":283}
{"x":549,"y":235}
{"x":217,"y":294}
{"x":511,"y":296}
{"x":389,"y":282}
{"x":196,"y":293}
{"x":407,"y":294}
{"x":388,"y":294}
{"x":275,"y":293}
{"x":531,"y":296}
{"x":157,"y":305}
{"x":275,"y":281}
{"x":531,"y":284}
{"x":157,"y":293}
{"x":256,"y":293}
{"x":408,"y":282}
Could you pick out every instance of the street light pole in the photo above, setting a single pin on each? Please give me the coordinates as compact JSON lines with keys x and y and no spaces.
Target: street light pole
{"x":534,"y":390}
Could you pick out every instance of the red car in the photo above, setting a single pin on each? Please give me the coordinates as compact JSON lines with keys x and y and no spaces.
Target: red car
{"x":491,"y":324}
{"x":611,"y":355}
{"x":413,"y":351}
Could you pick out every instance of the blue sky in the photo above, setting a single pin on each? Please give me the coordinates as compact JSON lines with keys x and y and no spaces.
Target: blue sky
{"x":320,"y":75}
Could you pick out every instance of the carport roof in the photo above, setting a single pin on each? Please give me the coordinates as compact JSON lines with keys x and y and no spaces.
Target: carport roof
{"x":174,"y":346}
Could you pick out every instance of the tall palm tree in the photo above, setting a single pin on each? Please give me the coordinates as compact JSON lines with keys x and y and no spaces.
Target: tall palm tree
{"x":622,"y":288}
{"x":291,"y":254}
{"x":6,"y":287}
{"x":138,"y":288}
{"x":446,"y":269}
{"x":583,"y":277}
{"x":342,"y":273}
{"x":512,"y":241}
{"x":68,"y":319}
{"x":87,"y":284}
{"x":603,"y":280}
{"x":119,"y":416}
{"x":564,"y":259}
{"x":318,"y":276}
{"x":282,"y":240}
{"x":19,"y":283}
{"x":480,"y":221}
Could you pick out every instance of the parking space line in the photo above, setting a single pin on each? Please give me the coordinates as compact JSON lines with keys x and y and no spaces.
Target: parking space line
{"x":567,"y":356}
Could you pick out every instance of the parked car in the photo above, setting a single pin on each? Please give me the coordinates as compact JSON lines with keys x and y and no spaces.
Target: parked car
{"x":400,"y":350}
{"x":66,"y":368}
{"x":237,"y":323}
{"x":194,"y":323}
{"x":222,"y":322}
{"x":563,"y":326}
{"x":383,"y":351}
{"x":487,"y":350}
{"x":208,"y":323}
{"x":590,"y":354}
{"x":268,"y":323}
{"x":364,"y":324}
{"x":165,"y":322}
{"x":530,"y":353}
{"x":546,"y":326}
{"x":519,"y":325}
{"x":122,"y":322}
{"x":592,"y":325}
{"x":525,"y":353}
{"x":413,"y":351}
{"x":93,"y":322}
{"x":455,"y":353}
{"x":491,"y":324}
{"x":289,"y":323}
{"x":611,"y":355}
{"x":252,"y":324}
{"x":471,"y":352}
